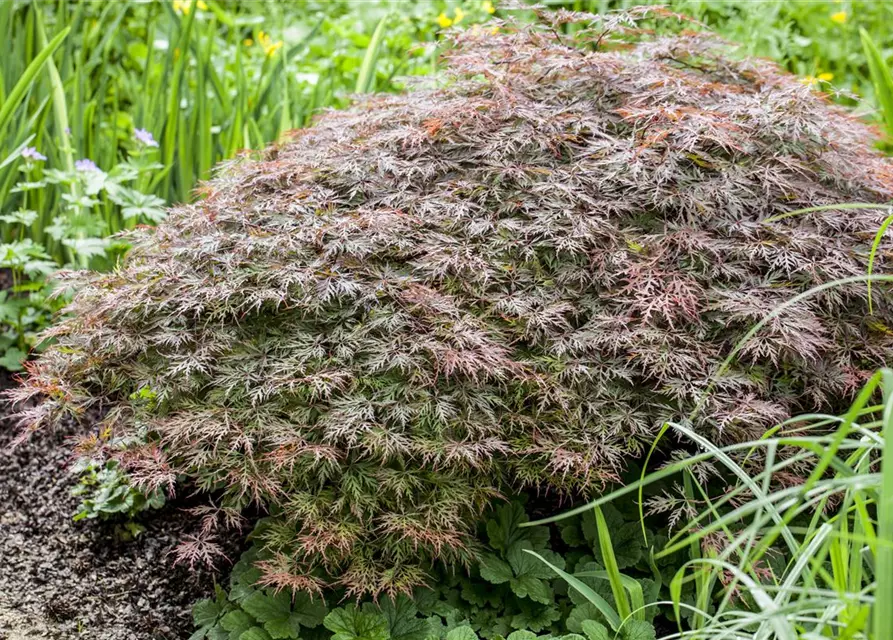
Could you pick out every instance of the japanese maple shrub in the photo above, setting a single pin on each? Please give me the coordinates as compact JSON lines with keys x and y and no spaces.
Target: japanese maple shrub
{"x":510,"y":280}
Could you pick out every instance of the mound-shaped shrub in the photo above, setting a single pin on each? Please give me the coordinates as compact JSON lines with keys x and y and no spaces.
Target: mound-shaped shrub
{"x":510,"y":280}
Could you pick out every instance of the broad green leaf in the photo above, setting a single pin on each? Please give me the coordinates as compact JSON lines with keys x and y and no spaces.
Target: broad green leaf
{"x":495,"y":570}
{"x":533,"y":588}
{"x":353,"y":623}
{"x":594,"y":630}
{"x":403,"y":622}
{"x":237,"y":622}
{"x":638,"y":630}
{"x":462,"y":633}
{"x":505,"y":529}
{"x":206,"y":612}
{"x":307,"y":610}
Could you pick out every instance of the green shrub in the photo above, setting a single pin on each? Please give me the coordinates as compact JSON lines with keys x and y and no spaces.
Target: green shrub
{"x":379,"y":327}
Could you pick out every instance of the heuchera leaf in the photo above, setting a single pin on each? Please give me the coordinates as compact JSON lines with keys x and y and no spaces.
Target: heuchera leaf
{"x":595,"y":630}
{"x":308,"y":611}
{"x":462,"y":633}
{"x":244,"y":576}
{"x":504,"y":529}
{"x":267,"y":606}
{"x":638,"y":630}
{"x":535,"y":617}
{"x":403,"y":623}
{"x":352,"y":623}
{"x":495,"y":570}
{"x":480,"y":593}
{"x":206,"y":612}
{"x":626,"y":537}
{"x":530,"y":574}
{"x":237,"y":622}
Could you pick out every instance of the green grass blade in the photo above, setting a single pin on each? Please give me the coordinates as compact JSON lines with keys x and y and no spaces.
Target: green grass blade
{"x":596,"y":600}
{"x":881,"y":78}
{"x":873,"y":253}
{"x":883,"y":609}
{"x":21,"y":87}
{"x":367,"y":70}
{"x":607,"y":549}
{"x":60,"y":110}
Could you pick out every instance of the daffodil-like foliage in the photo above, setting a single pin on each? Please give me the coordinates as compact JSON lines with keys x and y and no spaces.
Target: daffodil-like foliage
{"x":508,"y":280}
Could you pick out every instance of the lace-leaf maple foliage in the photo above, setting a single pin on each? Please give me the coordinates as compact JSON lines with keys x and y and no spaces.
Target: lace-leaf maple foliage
{"x":507,"y":280}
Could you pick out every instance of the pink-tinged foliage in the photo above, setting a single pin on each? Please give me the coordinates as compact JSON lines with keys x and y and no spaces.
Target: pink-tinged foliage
{"x":511,"y":280}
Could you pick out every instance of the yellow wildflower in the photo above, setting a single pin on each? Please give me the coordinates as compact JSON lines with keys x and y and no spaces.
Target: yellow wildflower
{"x":494,"y":31}
{"x":459,"y":15}
{"x":184,"y":6}
{"x":839,"y":17}
{"x":248,"y":42}
{"x":488,"y":7}
{"x":811,"y":81}
{"x":443,"y":20}
{"x":266,"y":42}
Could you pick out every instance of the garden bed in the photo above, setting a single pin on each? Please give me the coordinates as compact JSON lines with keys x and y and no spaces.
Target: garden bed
{"x":62,"y":579}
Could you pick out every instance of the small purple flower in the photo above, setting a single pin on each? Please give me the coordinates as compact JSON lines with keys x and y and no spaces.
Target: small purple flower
{"x":86,"y":165}
{"x":144,"y":137}
{"x":30,"y":153}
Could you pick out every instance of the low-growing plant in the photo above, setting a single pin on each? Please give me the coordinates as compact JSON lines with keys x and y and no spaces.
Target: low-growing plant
{"x":97,"y":204}
{"x":107,"y":493}
{"x":508,"y":593}
{"x":508,"y":281}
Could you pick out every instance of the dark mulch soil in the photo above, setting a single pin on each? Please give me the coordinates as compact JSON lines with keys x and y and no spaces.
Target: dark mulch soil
{"x":61,"y":579}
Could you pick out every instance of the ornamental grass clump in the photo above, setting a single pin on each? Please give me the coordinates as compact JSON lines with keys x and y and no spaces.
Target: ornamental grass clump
{"x":508,"y":281}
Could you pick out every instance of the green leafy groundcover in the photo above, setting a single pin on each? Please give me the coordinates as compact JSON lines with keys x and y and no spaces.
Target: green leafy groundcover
{"x":508,"y":594}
